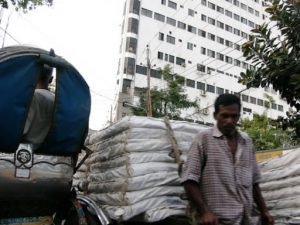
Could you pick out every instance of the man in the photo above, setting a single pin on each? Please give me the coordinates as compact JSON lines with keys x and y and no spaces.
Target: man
{"x":221,"y":175}
{"x":41,"y":109}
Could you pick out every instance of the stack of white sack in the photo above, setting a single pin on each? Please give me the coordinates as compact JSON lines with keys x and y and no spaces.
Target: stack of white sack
{"x":280,"y":186}
{"x":133,"y":171}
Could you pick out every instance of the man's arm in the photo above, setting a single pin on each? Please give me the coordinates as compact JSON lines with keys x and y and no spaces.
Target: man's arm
{"x":267,"y":219}
{"x":195,"y":196}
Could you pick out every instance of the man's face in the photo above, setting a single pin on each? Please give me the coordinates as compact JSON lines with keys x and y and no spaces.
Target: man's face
{"x":227,"y":118}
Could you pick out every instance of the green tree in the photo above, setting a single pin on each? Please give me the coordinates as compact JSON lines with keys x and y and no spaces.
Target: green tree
{"x":276,"y":59}
{"x":265,"y":132}
{"x":24,"y":5}
{"x":166,"y":102}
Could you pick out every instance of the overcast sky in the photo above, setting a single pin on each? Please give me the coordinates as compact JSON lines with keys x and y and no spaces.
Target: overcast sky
{"x":86,"y":33}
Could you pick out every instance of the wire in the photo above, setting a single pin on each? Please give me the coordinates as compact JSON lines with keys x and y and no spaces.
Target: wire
{"x":5,"y":32}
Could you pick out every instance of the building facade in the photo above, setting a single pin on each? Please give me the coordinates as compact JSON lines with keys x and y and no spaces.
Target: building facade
{"x":201,"y":40}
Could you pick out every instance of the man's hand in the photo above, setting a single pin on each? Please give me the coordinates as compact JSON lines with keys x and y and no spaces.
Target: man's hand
{"x":208,"y":218}
{"x":267,"y":219}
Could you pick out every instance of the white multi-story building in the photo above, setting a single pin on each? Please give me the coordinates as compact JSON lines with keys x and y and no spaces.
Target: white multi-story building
{"x":201,"y":41}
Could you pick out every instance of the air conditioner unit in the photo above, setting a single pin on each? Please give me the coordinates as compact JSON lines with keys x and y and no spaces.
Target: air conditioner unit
{"x":205,"y":111}
{"x":203,"y":93}
{"x":183,"y":65}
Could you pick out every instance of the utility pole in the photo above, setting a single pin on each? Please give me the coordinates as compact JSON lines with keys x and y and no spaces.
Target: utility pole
{"x":149,"y":102}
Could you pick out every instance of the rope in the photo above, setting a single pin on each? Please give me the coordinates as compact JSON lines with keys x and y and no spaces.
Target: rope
{"x":174,"y":144}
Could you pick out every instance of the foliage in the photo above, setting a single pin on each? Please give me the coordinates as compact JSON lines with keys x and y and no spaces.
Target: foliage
{"x":24,"y":5}
{"x":276,"y":59}
{"x":265,"y":133}
{"x":166,"y":102}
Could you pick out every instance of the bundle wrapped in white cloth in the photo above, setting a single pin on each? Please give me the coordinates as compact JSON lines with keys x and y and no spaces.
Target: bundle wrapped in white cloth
{"x":280,"y":185}
{"x":135,"y":165}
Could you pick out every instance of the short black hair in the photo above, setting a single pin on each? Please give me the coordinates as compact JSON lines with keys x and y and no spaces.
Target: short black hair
{"x":45,"y":74}
{"x":226,"y":100}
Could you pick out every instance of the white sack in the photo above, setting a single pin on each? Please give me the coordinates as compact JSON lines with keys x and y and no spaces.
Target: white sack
{"x":136,"y":183}
{"x":132,"y":197}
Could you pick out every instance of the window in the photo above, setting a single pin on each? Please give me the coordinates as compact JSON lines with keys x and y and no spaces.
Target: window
{"x":203,"y":2}
{"x":160,"y":55}
{"x":237,"y":62}
{"x":163,"y":2}
{"x":126,"y":85}
{"x":172,"y":5}
{"x":211,"y":36}
{"x":189,"y":46}
{"x":237,"y":47}
{"x":166,"y":57}
{"x":250,"y":10}
{"x":256,"y":13}
{"x":260,"y":102}
{"x":220,"y":40}
{"x":244,"y":35}
{"x":243,"y":6}
{"x":245,"y":98}
{"x":228,"y":59}
{"x":211,"y":53}
{"x":190,"y":83}
{"x":220,"y":90}
{"x":274,"y":106}
{"x":133,"y":25}
{"x":211,"y":5}
{"x":236,"y":17}
{"x":245,"y":65}
{"x":171,"y":58}
{"x":200,"y":67}
{"x":209,"y":70}
{"x":203,"y":17}
{"x":252,"y":100}
{"x":228,"y":13}
{"x":228,"y":28}
{"x":228,"y":43}
{"x":201,"y":33}
{"x":181,"y":25}
{"x":220,"y":9}
{"x":155,"y":73}
{"x":171,"y":21}
{"x":147,"y":12}
{"x":230,"y":1}
{"x":236,"y":31}
{"x":134,"y":7}
{"x":203,"y":51}
{"x":180,"y":61}
{"x":280,"y":108}
{"x":220,"y":56}
{"x":210,"y":88}
{"x":131,"y":44}
{"x":244,"y":21}
{"x":192,"y":29}
{"x":247,"y":110}
{"x":160,"y":36}
{"x":236,"y":3}
{"x":211,"y":21}
{"x":201,"y":86}
{"x":191,"y":12}
{"x":251,"y":24}
{"x":220,"y":24}
{"x":141,"y":69}
{"x":159,"y":17}
{"x":171,"y":39}
{"x":129,"y":66}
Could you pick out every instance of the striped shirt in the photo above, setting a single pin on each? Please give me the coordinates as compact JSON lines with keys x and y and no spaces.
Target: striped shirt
{"x":226,"y":184}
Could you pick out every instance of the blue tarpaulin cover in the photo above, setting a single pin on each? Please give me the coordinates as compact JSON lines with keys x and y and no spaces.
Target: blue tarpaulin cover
{"x":19,"y":67}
